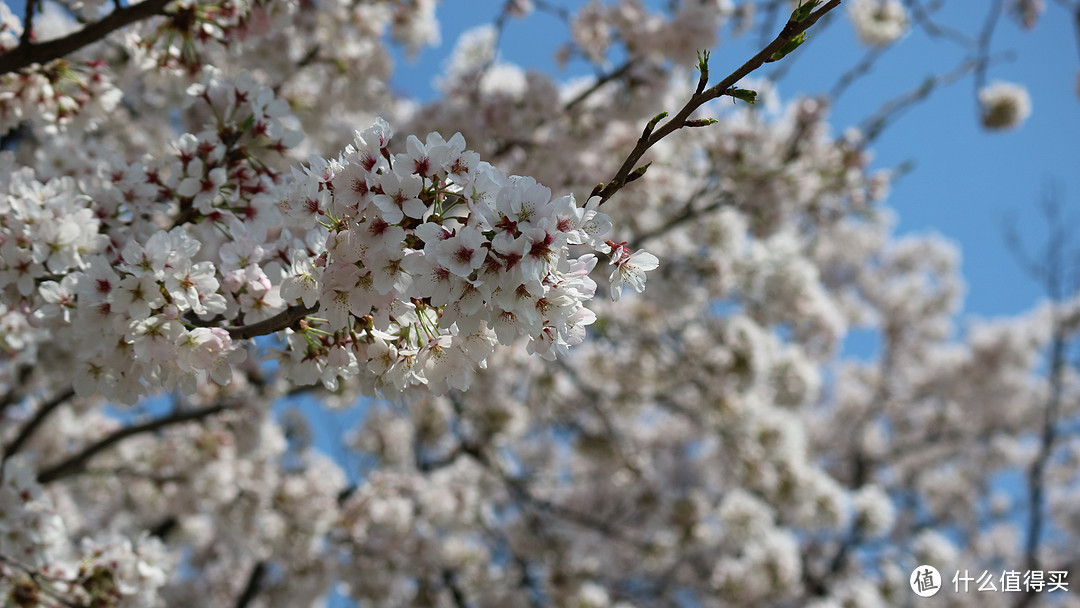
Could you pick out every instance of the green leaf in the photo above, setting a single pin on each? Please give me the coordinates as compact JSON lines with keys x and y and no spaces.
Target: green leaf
{"x":703,"y":62}
{"x":787,"y":48}
{"x":639,"y":172}
{"x":803,"y":11}
{"x":744,"y":94}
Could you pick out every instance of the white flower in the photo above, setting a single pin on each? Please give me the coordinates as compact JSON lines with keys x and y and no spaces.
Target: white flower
{"x":878,"y":22}
{"x":399,"y":197}
{"x":874,"y":511}
{"x":630,"y":268}
{"x":303,"y":280}
{"x":1004,"y":105}
{"x":462,"y":253}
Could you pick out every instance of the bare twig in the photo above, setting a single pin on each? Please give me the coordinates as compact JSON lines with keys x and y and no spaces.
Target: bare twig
{"x":873,"y":125}
{"x":600,"y":82}
{"x":860,"y":69}
{"x":1054,"y":278}
{"x":992,"y":18}
{"x":449,"y":579}
{"x":934,"y":30}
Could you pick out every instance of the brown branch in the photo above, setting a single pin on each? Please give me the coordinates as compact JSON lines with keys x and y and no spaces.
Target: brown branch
{"x":688,"y":214}
{"x":651,"y":135}
{"x":28,"y":22}
{"x":600,"y":82}
{"x":284,"y":319}
{"x":28,"y":53}
{"x":77,"y":463}
{"x":254,"y":583}
{"x":39,"y":417}
{"x":449,"y":579}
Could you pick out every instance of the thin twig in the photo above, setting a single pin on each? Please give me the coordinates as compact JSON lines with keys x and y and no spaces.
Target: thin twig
{"x":860,"y":69}
{"x":653,"y":133}
{"x":984,"y":44}
{"x":28,"y":23}
{"x":600,"y":82}
{"x":934,"y":30}
{"x":873,"y":125}
{"x":1054,"y":277}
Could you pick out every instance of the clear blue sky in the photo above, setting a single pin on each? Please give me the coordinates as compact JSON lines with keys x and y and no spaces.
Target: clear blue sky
{"x":966,"y":182}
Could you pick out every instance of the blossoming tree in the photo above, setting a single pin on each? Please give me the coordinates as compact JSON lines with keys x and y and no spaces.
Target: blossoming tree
{"x":212,"y":207}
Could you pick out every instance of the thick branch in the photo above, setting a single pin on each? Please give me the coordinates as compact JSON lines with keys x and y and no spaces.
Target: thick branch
{"x":28,"y":53}
{"x":286,"y":318}
{"x":77,"y":463}
{"x":651,"y":136}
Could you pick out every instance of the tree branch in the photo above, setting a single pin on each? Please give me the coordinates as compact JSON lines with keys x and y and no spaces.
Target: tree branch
{"x":449,"y":579}
{"x":39,"y":417}
{"x":254,"y":583}
{"x":600,"y":82}
{"x":29,"y":53}
{"x":77,"y":462}
{"x":284,"y":319}
{"x":651,"y":136}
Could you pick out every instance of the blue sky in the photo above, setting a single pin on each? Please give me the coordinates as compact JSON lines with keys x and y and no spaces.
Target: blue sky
{"x":966,"y":182}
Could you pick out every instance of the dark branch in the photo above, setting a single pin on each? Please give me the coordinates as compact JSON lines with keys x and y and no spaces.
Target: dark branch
{"x":28,"y":23}
{"x":286,"y":318}
{"x":28,"y":53}
{"x":251,"y":589}
{"x":77,"y":463}
{"x":600,"y":82}
{"x":39,"y":417}
{"x":450,"y":580}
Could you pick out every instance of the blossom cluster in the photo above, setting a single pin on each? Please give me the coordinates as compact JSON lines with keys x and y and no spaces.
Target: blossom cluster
{"x":103,"y":570}
{"x":432,"y":257}
{"x":418,"y":262}
{"x":92,"y":264}
{"x":1004,"y":105}
{"x":878,"y":22}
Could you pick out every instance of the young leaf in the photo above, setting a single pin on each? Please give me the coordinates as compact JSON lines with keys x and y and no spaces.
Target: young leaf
{"x":803,"y":10}
{"x":787,"y":48}
{"x":744,"y":94}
